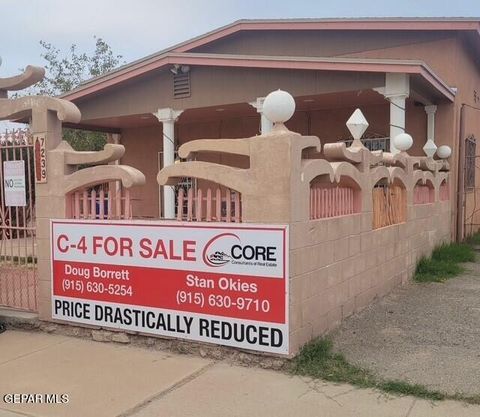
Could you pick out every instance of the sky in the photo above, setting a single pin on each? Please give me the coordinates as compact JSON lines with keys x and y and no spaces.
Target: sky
{"x":136,"y":28}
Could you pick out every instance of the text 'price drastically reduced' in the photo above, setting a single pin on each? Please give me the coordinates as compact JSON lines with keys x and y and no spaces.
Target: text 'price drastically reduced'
{"x":212,"y":283}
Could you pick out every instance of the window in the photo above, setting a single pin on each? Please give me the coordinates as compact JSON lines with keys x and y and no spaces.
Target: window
{"x":470,"y":155}
{"x":373,"y":144}
{"x":389,"y":204}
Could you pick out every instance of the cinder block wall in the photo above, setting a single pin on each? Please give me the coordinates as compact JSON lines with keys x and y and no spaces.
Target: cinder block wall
{"x":340,"y":265}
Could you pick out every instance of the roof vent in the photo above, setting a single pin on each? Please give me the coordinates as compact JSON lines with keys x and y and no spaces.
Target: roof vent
{"x":181,"y":85}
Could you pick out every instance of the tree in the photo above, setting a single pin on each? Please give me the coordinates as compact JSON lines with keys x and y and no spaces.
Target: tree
{"x":64,"y":72}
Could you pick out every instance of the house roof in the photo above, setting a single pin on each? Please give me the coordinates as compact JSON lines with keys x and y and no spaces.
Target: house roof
{"x":412,"y":67}
{"x":180,"y":52}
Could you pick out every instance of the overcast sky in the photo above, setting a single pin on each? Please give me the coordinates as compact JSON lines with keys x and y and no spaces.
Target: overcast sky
{"x":135,"y":28}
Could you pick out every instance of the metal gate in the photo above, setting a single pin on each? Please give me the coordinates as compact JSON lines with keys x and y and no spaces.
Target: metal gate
{"x":18,"y":262}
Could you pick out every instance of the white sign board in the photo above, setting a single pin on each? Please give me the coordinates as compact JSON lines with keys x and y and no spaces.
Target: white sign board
{"x":211,"y":282}
{"x":14,"y":183}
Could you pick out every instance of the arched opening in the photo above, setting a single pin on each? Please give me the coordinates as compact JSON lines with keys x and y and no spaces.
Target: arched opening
{"x":212,"y":203}
{"x":106,"y":201}
{"x":444,"y":191}
{"x":389,"y":203}
{"x":333,"y":200}
{"x":423,"y":193}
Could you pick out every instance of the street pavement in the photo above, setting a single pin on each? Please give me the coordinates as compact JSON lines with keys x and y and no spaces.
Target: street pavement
{"x":114,"y":380}
{"x":425,"y":334}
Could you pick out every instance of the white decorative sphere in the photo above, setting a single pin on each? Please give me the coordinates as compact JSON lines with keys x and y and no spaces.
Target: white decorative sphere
{"x":279,"y":106}
{"x":444,"y":151}
{"x":403,"y":142}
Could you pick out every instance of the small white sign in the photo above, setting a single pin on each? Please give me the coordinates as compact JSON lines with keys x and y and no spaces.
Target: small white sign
{"x":14,"y":183}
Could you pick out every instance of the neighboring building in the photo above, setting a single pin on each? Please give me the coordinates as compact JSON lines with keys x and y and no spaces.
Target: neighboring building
{"x":421,"y":75}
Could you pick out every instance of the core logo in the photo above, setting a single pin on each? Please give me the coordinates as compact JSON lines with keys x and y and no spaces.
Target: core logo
{"x":214,"y":254}
{"x":228,"y":248}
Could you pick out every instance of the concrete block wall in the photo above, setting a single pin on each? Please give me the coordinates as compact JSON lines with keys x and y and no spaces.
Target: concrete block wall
{"x":338,"y":266}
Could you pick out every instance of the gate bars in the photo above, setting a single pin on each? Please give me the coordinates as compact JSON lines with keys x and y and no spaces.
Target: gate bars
{"x":18,"y":275}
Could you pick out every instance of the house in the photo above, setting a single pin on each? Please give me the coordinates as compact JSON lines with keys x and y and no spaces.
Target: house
{"x":417,"y":75}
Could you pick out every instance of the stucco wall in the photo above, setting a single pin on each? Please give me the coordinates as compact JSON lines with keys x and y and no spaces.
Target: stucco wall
{"x":339,"y":266}
{"x":454,"y":62}
{"x":470,"y":82}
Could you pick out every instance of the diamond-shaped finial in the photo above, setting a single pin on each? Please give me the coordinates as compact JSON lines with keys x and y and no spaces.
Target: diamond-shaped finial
{"x":430,"y":148}
{"x":357,"y":124}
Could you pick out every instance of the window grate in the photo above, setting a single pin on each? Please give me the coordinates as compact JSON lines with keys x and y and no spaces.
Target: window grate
{"x":470,"y":155}
{"x":181,"y":85}
{"x":373,"y":144}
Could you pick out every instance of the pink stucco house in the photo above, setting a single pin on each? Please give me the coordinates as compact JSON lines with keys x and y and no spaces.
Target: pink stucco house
{"x":418,"y":75}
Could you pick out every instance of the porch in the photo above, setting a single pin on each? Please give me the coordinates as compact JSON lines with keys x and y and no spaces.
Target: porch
{"x":321,"y":115}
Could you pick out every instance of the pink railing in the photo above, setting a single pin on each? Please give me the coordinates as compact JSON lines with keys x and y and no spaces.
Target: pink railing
{"x":444,"y":191}
{"x":210,"y":206}
{"x":423,"y":194}
{"x":331,"y":202}
{"x":109,"y":201}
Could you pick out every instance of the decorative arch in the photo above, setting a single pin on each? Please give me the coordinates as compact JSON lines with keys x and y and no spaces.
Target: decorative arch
{"x":333,"y":199}
{"x":208,"y":202}
{"x":444,"y":190}
{"x":398,"y":176}
{"x":424,"y":192}
{"x":389,"y":200}
{"x":100,"y":200}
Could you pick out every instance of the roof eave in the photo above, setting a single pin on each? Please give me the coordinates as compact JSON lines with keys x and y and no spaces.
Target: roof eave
{"x":471,"y":24}
{"x":253,"y":61}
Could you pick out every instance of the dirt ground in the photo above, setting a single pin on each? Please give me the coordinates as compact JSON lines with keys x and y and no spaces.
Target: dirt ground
{"x":422,"y":333}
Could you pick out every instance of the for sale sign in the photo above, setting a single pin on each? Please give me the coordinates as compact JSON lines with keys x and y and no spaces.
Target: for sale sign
{"x":14,"y":183}
{"x":224,"y":284}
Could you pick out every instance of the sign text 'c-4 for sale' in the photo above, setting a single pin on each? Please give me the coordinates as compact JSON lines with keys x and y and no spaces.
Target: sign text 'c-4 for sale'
{"x":224,"y":284}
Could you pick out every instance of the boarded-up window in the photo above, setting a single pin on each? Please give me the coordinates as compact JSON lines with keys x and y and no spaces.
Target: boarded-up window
{"x":470,"y":152}
{"x":389,"y":205}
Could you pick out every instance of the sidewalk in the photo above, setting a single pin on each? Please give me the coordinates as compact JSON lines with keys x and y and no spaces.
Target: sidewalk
{"x":425,"y":334}
{"x":107,"y":380}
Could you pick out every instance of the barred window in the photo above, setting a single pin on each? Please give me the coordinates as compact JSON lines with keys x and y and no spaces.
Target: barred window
{"x":470,"y":154}
{"x":374,"y":144}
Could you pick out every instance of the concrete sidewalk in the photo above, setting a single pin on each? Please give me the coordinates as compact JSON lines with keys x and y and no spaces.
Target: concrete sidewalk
{"x":107,"y":380}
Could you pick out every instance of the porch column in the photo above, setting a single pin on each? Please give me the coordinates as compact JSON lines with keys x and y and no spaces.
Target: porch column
{"x":168,"y":118}
{"x":113,"y":138}
{"x":430,"y":148}
{"x":117,"y":185}
{"x":265,"y":124}
{"x":397,"y":89}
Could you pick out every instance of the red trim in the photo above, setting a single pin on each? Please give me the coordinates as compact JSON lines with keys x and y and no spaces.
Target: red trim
{"x":333,"y":64}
